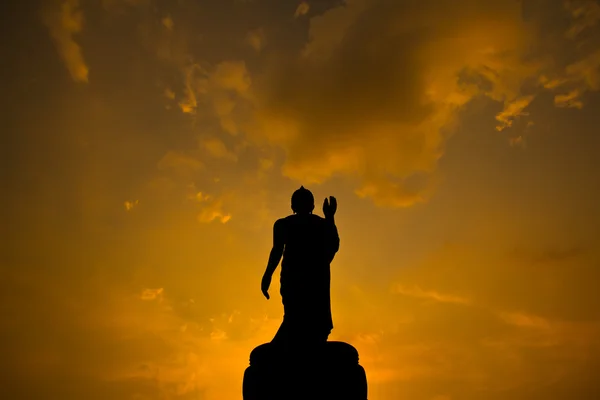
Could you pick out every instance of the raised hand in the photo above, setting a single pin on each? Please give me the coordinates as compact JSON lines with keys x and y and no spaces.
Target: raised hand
{"x":329,"y":207}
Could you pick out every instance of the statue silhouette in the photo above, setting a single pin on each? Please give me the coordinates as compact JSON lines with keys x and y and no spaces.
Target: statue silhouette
{"x":300,"y":363}
{"x":308,"y":244}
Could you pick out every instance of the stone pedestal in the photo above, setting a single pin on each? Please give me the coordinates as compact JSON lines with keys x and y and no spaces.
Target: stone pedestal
{"x":327,"y":370}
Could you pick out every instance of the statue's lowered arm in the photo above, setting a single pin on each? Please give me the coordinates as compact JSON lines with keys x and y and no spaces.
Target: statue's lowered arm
{"x":274,"y":257}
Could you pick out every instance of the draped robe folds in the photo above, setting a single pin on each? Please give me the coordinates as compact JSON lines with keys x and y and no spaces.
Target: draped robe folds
{"x":310,"y":243}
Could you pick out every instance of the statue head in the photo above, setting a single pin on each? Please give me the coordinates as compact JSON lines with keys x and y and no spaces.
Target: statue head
{"x":303,"y":201}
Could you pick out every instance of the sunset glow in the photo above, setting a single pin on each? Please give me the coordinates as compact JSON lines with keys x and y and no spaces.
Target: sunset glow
{"x":149,"y":146}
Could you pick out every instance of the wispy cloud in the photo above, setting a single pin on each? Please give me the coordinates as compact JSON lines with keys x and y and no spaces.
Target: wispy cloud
{"x":524,"y":320}
{"x":168,"y":22}
{"x":152,"y":294}
{"x":569,"y":100}
{"x":256,"y":39}
{"x":417,"y":292}
{"x":512,"y":111}
{"x":302,"y":9}
{"x":585,"y":15}
{"x":549,"y":255}
{"x":211,"y":208}
{"x":64,"y":19}
{"x":224,"y":88}
{"x":516,"y":141}
{"x":180,"y":163}
{"x":216,"y":148}
{"x":130,"y":205}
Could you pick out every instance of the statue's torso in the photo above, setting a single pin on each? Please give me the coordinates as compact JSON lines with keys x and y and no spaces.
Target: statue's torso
{"x":304,"y":255}
{"x":305,"y":276}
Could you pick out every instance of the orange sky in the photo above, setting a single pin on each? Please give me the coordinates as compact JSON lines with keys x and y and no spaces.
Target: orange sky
{"x":150,"y":145}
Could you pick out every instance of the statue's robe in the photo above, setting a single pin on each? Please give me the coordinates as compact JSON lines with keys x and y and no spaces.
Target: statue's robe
{"x":310,"y":243}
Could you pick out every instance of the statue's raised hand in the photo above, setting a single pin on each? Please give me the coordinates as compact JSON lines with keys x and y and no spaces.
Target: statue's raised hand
{"x":329,"y":207}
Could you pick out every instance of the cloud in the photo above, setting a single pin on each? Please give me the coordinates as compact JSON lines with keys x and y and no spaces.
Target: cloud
{"x":222,"y":90}
{"x":130,"y":205}
{"x":416,"y":291}
{"x":216,"y":148}
{"x":376,"y":91}
{"x":265,"y":164}
{"x":211,"y":208}
{"x":586,"y":14}
{"x":524,"y":320}
{"x":570,"y":100}
{"x":256,"y":39}
{"x":516,"y":141}
{"x":577,"y":79}
{"x":168,"y":22}
{"x":180,"y":163}
{"x":550,"y":255}
{"x":189,"y":102}
{"x":212,"y":213}
{"x":152,"y":294}
{"x":302,"y":9}
{"x":138,"y":345}
{"x":169,"y":94}
{"x":378,"y":88}
{"x":586,"y":71}
{"x":581,"y":74}
{"x":200,"y":197}
{"x":557,"y":335}
{"x":64,"y":19}
{"x":513,"y":110}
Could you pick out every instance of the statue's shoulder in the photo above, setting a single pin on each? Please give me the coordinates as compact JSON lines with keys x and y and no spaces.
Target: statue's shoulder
{"x":281,"y":222}
{"x":285,"y":222}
